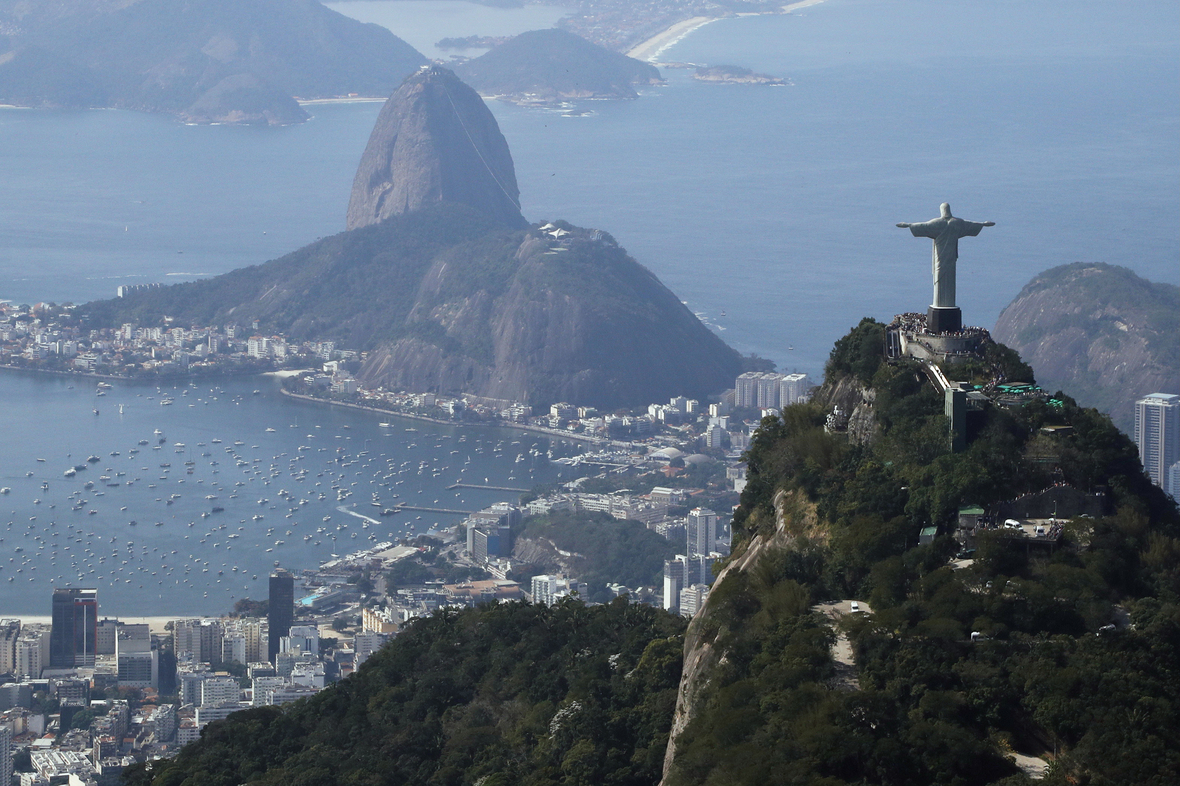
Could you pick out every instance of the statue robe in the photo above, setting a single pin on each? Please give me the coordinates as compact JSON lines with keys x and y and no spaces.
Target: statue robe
{"x":945,"y":232}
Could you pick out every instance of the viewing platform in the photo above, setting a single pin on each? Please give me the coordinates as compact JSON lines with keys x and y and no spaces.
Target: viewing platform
{"x":909,"y":336}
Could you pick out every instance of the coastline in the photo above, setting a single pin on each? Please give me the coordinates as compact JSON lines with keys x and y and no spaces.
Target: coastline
{"x":655,"y":46}
{"x":800,"y":5}
{"x":155,"y":622}
{"x":354,"y":100}
{"x":141,"y":378}
{"x":283,"y":373}
{"x":440,"y":421}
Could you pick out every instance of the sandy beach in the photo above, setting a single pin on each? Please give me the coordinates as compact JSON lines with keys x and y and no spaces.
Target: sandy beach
{"x":156,"y":624}
{"x":804,"y":4}
{"x":355,"y":100}
{"x":653,"y":47}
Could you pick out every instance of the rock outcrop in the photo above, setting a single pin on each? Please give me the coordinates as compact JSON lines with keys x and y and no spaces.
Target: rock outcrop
{"x":435,"y":141}
{"x":1099,"y":333}
{"x":794,"y":517}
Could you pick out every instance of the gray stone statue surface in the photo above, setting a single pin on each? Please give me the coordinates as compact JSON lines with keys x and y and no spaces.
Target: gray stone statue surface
{"x":945,"y":231}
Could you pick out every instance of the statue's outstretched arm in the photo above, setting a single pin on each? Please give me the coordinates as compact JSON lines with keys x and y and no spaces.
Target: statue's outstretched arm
{"x":985,"y":223}
{"x":904,"y":226}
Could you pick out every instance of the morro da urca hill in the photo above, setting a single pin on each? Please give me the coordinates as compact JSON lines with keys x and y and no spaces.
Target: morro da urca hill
{"x":554,"y":65}
{"x":202,"y":60}
{"x":446,"y":301}
{"x":534,"y":318}
{"x":1100,"y":333}
{"x":435,"y":141}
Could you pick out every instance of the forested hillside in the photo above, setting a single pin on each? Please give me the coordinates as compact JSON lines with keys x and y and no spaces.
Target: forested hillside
{"x":1068,"y":655}
{"x":555,"y":65}
{"x":503,"y":695}
{"x":446,"y":300}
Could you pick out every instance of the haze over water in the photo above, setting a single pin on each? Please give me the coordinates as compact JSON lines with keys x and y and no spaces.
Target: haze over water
{"x":775,"y":206}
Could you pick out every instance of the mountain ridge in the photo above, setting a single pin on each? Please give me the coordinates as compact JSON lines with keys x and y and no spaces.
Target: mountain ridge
{"x":200,"y":60}
{"x":1099,"y":332}
{"x":554,"y":65}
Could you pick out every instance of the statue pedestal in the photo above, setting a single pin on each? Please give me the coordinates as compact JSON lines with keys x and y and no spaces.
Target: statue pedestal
{"x":944,"y":320}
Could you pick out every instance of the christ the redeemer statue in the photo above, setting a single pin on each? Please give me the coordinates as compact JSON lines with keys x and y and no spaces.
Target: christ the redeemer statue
{"x":944,"y":316}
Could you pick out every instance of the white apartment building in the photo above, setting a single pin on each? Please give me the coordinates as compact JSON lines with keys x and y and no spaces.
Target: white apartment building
{"x":1157,"y":433}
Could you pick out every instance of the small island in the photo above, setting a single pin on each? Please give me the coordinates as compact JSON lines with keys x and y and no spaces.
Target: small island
{"x":735,"y":75}
{"x":473,"y":42}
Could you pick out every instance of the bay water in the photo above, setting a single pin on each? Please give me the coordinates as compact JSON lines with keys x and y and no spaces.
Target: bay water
{"x":189,"y":494}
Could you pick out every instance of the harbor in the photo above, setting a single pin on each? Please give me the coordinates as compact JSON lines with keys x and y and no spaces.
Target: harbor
{"x":181,"y":499}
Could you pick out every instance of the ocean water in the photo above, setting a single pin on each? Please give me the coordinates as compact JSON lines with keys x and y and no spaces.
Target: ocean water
{"x":274,"y":468}
{"x":92,"y":200}
{"x":769,"y":210}
{"x":777,"y":205}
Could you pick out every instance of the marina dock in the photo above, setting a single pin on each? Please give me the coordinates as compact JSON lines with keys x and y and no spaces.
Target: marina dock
{"x":486,"y":488}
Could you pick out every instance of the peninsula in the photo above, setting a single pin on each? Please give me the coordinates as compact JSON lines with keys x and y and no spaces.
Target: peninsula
{"x":442,"y":286}
{"x":202,"y":60}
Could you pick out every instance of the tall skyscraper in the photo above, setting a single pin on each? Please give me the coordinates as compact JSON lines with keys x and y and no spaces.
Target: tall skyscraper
{"x":1157,"y":433}
{"x":9,"y":633}
{"x":280,"y":610}
{"x":673,"y":583}
{"x":5,"y":754}
{"x":73,"y":640}
{"x":702,"y":531}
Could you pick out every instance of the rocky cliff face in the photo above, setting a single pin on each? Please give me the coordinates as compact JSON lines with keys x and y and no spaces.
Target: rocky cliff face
{"x":704,"y":652}
{"x":1098,"y":332}
{"x":435,"y":141}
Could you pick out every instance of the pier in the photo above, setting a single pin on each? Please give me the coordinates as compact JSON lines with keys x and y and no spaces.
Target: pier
{"x":400,"y":507}
{"x":485,"y":488}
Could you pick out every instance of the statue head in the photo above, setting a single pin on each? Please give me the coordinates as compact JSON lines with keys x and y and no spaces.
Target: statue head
{"x":945,"y":208}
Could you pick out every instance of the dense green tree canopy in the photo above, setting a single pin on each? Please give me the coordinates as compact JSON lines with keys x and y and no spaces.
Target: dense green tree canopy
{"x":509,"y":694}
{"x":1068,"y":655}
